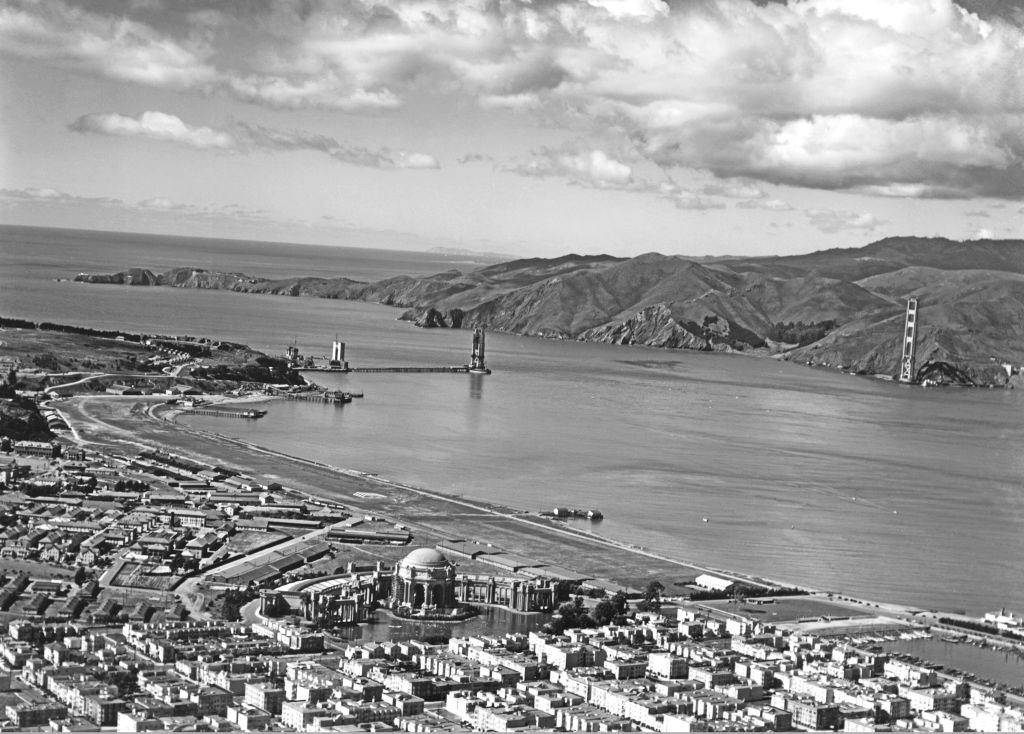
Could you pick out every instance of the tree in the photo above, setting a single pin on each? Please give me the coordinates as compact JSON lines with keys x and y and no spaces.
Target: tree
{"x":652,"y":597}
{"x":563,"y":589}
{"x":620,"y":603}
{"x":604,"y":612}
{"x":233,"y":602}
{"x":572,"y":614}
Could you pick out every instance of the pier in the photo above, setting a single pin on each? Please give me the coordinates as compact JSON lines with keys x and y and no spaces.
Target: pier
{"x":338,"y":364}
{"x":226,"y":413}
{"x":329,"y":396}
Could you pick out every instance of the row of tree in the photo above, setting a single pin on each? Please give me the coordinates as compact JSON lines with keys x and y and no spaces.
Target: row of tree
{"x":614,"y":609}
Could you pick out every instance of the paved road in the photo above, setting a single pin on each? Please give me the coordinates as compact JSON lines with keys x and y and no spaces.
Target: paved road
{"x":96,"y":375}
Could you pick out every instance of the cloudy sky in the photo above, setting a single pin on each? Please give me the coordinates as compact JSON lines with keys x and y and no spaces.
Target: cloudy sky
{"x":625,"y":126}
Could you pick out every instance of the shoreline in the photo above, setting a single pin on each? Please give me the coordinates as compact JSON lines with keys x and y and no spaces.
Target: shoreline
{"x":483,"y":506}
{"x":526,"y":530}
{"x":876,"y":608}
{"x":529,"y":520}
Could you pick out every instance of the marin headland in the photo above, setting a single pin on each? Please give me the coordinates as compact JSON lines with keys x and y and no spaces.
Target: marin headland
{"x":511,"y":365}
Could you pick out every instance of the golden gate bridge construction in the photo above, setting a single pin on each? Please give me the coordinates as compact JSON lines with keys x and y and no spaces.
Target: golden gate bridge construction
{"x":907,"y":373}
{"x":337,"y":362}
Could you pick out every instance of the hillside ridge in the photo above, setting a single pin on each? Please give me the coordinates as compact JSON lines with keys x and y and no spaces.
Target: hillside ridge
{"x":839,"y":308}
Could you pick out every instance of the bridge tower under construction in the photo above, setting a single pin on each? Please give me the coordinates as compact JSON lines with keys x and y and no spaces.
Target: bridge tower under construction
{"x":338,"y":355}
{"x":476,"y":363}
{"x":909,"y":343}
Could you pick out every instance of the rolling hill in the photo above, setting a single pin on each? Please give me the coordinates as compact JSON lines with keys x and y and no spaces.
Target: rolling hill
{"x":838,"y":308}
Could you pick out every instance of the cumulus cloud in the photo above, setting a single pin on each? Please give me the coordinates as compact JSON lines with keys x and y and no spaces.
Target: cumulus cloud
{"x":53,"y":196}
{"x":155,"y":126}
{"x":775,"y":205}
{"x":591,"y":167}
{"x":245,"y":137}
{"x":831,"y":220}
{"x":983,"y":234}
{"x":112,"y":45}
{"x":916,"y":98}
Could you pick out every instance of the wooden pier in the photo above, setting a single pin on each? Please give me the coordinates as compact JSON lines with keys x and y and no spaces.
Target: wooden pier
{"x":329,"y":396}
{"x":226,"y":413}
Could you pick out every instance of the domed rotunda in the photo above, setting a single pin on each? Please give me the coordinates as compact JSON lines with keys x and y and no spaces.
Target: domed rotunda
{"x":424,"y":584}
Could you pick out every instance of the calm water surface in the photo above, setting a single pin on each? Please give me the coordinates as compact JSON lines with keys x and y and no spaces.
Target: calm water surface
{"x":893,"y":493}
{"x":999,"y":666}
{"x":490,"y":621}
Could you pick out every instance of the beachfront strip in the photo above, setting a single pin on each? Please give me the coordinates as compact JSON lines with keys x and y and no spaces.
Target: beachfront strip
{"x":652,"y":674}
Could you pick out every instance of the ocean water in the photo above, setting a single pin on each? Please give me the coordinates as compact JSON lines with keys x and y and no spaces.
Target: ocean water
{"x":851,"y":484}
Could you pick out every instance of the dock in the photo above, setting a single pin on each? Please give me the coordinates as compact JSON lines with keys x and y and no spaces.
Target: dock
{"x":328,"y":396}
{"x":226,"y":413}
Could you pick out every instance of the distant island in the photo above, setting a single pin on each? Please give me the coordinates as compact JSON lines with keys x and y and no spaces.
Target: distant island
{"x":839,"y":308}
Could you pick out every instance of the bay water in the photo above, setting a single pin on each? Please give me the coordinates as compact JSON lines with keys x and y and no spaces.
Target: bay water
{"x":813,"y":477}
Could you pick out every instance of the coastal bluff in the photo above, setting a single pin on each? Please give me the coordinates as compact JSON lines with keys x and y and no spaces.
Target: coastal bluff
{"x":838,"y":308}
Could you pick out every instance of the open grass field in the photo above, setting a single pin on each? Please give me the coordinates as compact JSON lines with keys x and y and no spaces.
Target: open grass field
{"x":135,"y":575}
{"x":787,"y":608}
{"x":53,"y":351}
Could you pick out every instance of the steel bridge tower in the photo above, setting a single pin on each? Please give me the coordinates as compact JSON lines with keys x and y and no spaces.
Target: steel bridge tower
{"x":338,"y":355}
{"x":477,"y":362}
{"x":909,"y":342}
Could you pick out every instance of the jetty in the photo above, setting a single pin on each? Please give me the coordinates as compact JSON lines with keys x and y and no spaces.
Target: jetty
{"x":250,"y":414}
{"x":327,"y":396}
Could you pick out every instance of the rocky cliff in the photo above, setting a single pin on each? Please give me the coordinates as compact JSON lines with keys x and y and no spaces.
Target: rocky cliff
{"x":842,"y":308}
